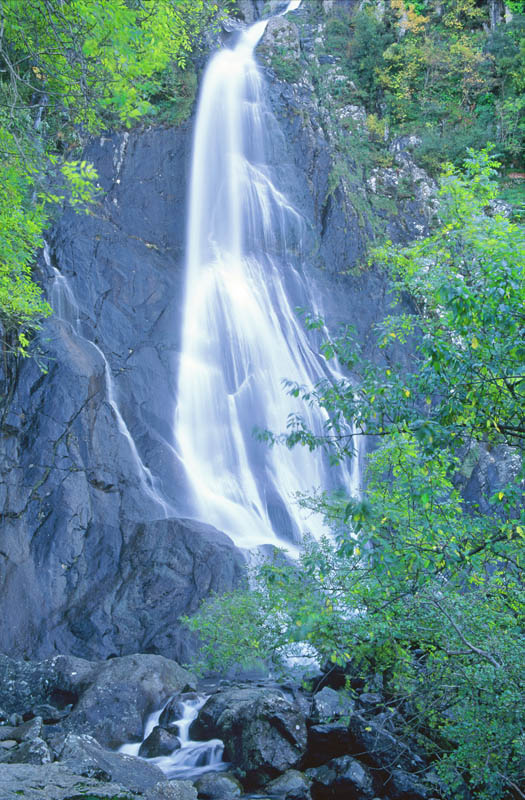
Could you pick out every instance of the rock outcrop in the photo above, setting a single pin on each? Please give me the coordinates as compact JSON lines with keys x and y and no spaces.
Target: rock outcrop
{"x":263,"y":730}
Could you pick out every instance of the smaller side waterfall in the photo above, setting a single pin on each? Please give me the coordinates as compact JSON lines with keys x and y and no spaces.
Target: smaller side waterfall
{"x":66,"y":309}
{"x":191,"y":759}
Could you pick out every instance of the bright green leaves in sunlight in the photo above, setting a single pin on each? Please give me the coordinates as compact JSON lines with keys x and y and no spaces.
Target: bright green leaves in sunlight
{"x":468,"y":281}
{"x":466,"y":345}
{"x":418,"y":586}
{"x":21,"y":225}
{"x":96,"y":58}
{"x":68,"y":70}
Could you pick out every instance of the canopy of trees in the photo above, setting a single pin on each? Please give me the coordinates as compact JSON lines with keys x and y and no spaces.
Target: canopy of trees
{"x":451,"y":70}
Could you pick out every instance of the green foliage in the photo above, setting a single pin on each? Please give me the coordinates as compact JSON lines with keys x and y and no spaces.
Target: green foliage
{"x":417,"y":585}
{"x":516,"y":6}
{"x":371,"y":39}
{"x":231,"y":630}
{"x":68,"y":70}
{"x":92,"y":59}
{"x":21,"y":303}
{"x":436,"y":69}
{"x":174,"y":96}
{"x":467,"y":282}
{"x":285,"y":65}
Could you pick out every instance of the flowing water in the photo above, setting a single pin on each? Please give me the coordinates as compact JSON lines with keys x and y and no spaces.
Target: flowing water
{"x":241,"y":334}
{"x":192,"y":759}
{"x":65,"y":306}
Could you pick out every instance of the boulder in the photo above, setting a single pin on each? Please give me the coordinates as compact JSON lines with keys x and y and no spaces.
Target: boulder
{"x":50,"y":714}
{"x":33,"y":751}
{"x":291,"y":785}
{"x":218,"y":786}
{"x":159,"y":743}
{"x":27,"y":730}
{"x":109,"y":699}
{"x":329,"y":705}
{"x":7,"y":744}
{"x":342,"y":778}
{"x":54,"y":782}
{"x":326,"y":742}
{"x":171,"y":790}
{"x":263,"y":730}
{"x":172,"y":712}
{"x":382,"y":749}
{"x":402,"y":785}
{"x":84,"y":756}
{"x":371,"y":701}
{"x":24,"y":684}
{"x":247,"y":10}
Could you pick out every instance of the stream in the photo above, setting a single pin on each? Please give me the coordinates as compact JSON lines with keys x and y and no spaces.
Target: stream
{"x":193,"y":758}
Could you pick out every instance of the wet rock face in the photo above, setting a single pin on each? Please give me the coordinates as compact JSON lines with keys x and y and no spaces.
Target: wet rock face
{"x":218,"y":786}
{"x":86,"y":565}
{"x":159,"y":743}
{"x":342,"y":779}
{"x":263,"y":730}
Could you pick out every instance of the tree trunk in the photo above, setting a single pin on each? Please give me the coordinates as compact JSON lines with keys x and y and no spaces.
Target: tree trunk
{"x":495,"y":13}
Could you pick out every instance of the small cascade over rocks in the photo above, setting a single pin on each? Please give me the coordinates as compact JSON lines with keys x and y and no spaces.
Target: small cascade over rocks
{"x":241,"y":334}
{"x":188,"y":759}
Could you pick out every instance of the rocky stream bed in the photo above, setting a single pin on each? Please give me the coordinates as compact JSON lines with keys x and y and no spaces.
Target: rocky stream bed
{"x":63,"y":721}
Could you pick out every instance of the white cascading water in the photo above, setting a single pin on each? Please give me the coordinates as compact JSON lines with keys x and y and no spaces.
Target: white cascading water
{"x":241,"y":336}
{"x":192,"y":759}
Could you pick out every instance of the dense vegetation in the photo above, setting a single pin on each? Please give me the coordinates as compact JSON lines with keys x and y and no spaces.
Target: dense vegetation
{"x":69,"y":70}
{"x":420,"y":589}
{"x":449,"y":71}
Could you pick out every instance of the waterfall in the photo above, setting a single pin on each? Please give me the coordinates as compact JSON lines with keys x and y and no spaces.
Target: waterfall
{"x":66,"y":309}
{"x":241,"y":336}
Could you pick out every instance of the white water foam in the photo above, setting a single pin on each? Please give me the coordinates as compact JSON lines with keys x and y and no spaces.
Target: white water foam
{"x":193,"y":758}
{"x":241,"y":336}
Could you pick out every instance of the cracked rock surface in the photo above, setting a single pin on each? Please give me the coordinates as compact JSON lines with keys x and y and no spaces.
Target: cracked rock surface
{"x":96,"y":556}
